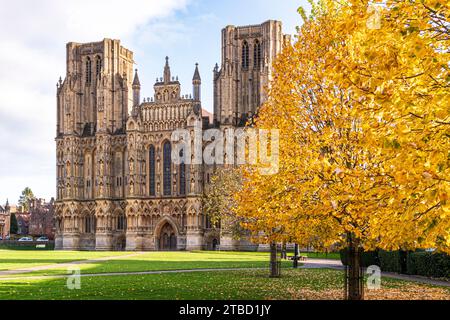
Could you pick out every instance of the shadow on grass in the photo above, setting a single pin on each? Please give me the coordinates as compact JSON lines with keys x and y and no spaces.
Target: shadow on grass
{"x":214,"y":285}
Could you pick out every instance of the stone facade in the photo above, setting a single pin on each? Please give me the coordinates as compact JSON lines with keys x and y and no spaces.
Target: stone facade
{"x":117,"y":188}
{"x":5,"y":220}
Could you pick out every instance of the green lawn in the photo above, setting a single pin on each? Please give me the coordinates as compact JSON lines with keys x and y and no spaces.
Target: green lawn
{"x":213,"y":285}
{"x":131,"y":261}
{"x":16,"y":259}
{"x":320,"y":255}
{"x":236,"y":284}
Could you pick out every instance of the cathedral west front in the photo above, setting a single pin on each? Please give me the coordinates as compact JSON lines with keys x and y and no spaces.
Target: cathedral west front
{"x":118,"y":187}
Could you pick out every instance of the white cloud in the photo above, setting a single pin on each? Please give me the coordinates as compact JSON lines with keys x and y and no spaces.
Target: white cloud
{"x":34,"y":34}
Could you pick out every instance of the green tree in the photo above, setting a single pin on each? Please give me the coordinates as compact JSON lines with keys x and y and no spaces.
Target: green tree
{"x":13,"y":228}
{"x":218,"y":200}
{"x":25,"y":198}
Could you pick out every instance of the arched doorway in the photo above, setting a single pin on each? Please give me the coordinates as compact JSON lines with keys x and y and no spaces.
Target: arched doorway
{"x":214,"y":244}
{"x":167,"y":238}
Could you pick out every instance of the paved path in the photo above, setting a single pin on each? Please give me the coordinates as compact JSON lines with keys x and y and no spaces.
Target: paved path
{"x":310,"y":263}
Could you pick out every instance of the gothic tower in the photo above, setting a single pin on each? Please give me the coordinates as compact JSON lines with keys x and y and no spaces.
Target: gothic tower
{"x":93,"y":103}
{"x":96,"y":94}
{"x":247,"y":55}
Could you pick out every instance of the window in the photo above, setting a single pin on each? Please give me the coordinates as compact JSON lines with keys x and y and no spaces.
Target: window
{"x":98,"y":66}
{"x":88,"y":71}
{"x":89,"y":224}
{"x":245,"y":55}
{"x":151,"y":160}
{"x":121,"y":223}
{"x":257,"y":55}
{"x":167,"y":181}
{"x":182,"y":175}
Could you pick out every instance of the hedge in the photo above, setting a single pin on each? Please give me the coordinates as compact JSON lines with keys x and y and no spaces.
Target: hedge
{"x":393,"y":261}
{"x":16,"y":245}
{"x":428,"y":264}
{"x":368,"y":258}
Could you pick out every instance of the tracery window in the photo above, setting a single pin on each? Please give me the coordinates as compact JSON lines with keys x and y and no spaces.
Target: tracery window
{"x":98,"y":66}
{"x":167,"y":174}
{"x":151,"y":159}
{"x":245,"y":55}
{"x":257,"y":55}
{"x":121,"y":222}
{"x":182,"y":183}
{"x":88,"y":70}
{"x":89,"y":224}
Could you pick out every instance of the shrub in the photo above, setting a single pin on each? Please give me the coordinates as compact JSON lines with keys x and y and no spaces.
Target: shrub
{"x":368,"y":258}
{"x":428,"y":264}
{"x":393,"y":261}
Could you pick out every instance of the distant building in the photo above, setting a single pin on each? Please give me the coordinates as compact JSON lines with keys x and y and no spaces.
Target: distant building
{"x":23,"y":221}
{"x":42,"y":218}
{"x":5,"y":220}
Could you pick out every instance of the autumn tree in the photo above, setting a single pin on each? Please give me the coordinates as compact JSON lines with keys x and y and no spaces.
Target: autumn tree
{"x":362,"y":103}
{"x":218,"y":201}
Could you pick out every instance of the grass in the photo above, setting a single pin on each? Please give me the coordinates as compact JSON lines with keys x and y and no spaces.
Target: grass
{"x":222,"y":285}
{"x":321,"y":255}
{"x":15,"y":259}
{"x":131,"y":262}
{"x":214,"y":285}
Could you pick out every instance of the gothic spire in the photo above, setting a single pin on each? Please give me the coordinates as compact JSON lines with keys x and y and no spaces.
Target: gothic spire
{"x":196,"y":73}
{"x":136,"y":82}
{"x":167,"y":71}
{"x":196,"y":83}
{"x":136,"y":90}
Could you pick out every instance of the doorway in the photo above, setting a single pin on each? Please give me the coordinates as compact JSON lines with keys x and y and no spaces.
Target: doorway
{"x":168,"y":238}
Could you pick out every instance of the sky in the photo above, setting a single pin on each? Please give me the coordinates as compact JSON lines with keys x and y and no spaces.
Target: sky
{"x":33,"y":57}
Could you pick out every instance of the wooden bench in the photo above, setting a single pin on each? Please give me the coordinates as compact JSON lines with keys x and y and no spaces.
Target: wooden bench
{"x":300,"y":258}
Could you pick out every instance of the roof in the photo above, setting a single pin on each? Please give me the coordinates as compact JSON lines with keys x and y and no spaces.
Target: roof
{"x":206,"y":113}
{"x":196,"y":73}
{"x":136,"y":81}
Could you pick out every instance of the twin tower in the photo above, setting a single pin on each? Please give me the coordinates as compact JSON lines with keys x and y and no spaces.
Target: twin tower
{"x":117,"y":188}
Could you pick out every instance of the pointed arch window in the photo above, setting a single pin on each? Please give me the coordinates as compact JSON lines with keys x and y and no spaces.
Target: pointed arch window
{"x":98,"y":66}
{"x":182,"y":170}
{"x":151,"y":160}
{"x":89,"y":224}
{"x":167,"y":172}
{"x":257,"y":55}
{"x":88,"y":70}
{"x":121,"y":222}
{"x":245,"y":55}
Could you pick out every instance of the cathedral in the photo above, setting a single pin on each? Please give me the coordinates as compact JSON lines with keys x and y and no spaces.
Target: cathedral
{"x":117,"y":186}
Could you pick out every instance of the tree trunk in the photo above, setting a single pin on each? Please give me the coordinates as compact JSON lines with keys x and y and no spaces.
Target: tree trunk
{"x":274,"y":265}
{"x":296,"y":256}
{"x":354,"y":276}
{"x":284,"y":251}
